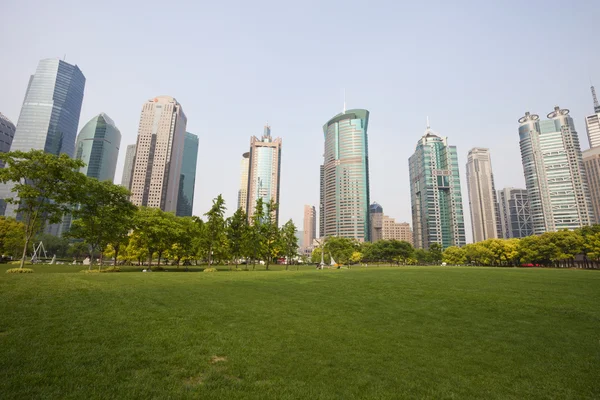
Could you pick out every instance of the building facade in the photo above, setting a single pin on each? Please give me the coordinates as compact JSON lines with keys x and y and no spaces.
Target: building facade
{"x":310,"y":225}
{"x":482,"y":195}
{"x":243,"y":190}
{"x":50,"y":113}
{"x":515,"y":217}
{"x":187,"y":178}
{"x":392,"y":230}
{"x":345,"y":176}
{"x":128,"y":167}
{"x":264,"y":171}
{"x":7,"y":134}
{"x":592,"y":122}
{"x":591,"y":156}
{"x":97,"y":146}
{"x":555,"y":176}
{"x":436,"y":198}
{"x":376,"y":221}
{"x":158,"y":155}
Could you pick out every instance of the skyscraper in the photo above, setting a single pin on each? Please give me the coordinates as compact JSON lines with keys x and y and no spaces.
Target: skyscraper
{"x":264,"y":171}
{"x":436,"y":197}
{"x":98,"y":147}
{"x":128,"y":167}
{"x":376,"y":217}
{"x":345,"y":177}
{"x":515,"y":217}
{"x":555,"y":177}
{"x":243,"y":190}
{"x":482,"y":195}
{"x":7,"y":133}
{"x":591,"y":157}
{"x":592,"y":122}
{"x":187,"y":180}
{"x":158,"y":156}
{"x":310,"y":225}
{"x":321,"y":201}
{"x":50,"y":113}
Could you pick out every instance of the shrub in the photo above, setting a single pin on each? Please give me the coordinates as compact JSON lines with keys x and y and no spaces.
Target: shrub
{"x":19,"y":271}
{"x":210,"y":270}
{"x":111,"y":269}
{"x":90,"y":271}
{"x":158,"y":268}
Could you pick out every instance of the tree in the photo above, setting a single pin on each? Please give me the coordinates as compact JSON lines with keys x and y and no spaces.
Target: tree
{"x":271,"y":240}
{"x":11,"y":236}
{"x":78,"y":250}
{"x":184,"y":232}
{"x":289,"y":241}
{"x":45,"y":186}
{"x":435,"y":253}
{"x":54,"y":245}
{"x":341,"y":248}
{"x":155,"y":230}
{"x":356,"y":257}
{"x":104,"y":216}
{"x":215,"y":238}
{"x":237,"y":226}
{"x":454,"y":255}
{"x":254,"y":238}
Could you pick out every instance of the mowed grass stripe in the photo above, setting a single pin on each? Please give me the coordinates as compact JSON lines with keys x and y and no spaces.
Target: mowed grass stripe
{"x":427,"y":332}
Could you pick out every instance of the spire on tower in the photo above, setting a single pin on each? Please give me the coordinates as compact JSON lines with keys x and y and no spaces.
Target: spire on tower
{"x":344,"y":101}
{"x":596,"y":104}
{"x":428,"y":126}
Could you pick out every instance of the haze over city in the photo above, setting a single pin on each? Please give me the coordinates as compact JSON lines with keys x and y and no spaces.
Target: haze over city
{"x":473,"y":69}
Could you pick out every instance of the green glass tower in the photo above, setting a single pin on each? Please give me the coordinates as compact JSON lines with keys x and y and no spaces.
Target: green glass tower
{"x":436,"y":197}
{"x":98,"y":147}
{"x":187,"y":179}
{"x":345,"y":177}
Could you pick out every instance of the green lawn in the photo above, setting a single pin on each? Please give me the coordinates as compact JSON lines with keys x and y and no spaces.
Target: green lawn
{"x":377,"y":333}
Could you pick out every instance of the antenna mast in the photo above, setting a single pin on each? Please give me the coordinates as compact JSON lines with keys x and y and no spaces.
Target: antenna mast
{"x":596,"y":104}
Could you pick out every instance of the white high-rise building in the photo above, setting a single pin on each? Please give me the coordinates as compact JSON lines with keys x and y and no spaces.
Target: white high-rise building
{"x":310,"y":225}
{"x":592,"y":123}
{"x":554,"y":172}
{"x":243,"y":191}
{"x":482,"y":195}
{"x":159,"y":153}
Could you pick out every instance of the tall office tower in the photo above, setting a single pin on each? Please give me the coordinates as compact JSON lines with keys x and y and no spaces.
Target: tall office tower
{"x":392,"y":230}
{"x":264,"y":171}
{"x":243,"y":190}
{"x":50,"y":113}
{"x":436,"y":197}
{"x":482,"y":195}
{"x":187,"y":179}
{"x":345,"y":178}
{"x":310,"y":225}
{"x":592,"y":122}
{"x":98,"y":147}
{"x":376,"y":221}
{"x":128,"y":167}
{"x":158,"y":155}
{"x":321,"y":201}
{"x":556,"y":181}
{"x":591,"y":157}
{"x":7,"y":133}
{"x":515,"y":217}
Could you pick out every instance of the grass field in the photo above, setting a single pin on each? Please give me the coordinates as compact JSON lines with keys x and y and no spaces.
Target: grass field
{"x":378,"y":333}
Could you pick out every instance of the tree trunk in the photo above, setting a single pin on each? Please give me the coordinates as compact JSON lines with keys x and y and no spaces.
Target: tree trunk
{"x":24,"y":251}
{"x":91,"y":258}
{"x":116,"y":255}
{"x":101,"y":260}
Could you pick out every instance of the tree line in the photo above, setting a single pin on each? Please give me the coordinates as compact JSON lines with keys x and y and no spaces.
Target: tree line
{"x":564,"y":248}
{"x":106,"y":224}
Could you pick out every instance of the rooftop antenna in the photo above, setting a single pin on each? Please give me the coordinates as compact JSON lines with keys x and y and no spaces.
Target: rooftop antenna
{"x":596,"y":104}
{"x":65,"y":57}
{"x":428,"y":126}
{"x":344,"y":101}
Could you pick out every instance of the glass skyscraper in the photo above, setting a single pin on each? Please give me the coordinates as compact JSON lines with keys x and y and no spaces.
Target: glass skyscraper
{"x":554,"y":173}
{"x":187,"y":180}
{"x":50,"y":113}
{"x":128,"y":167}
{"x":264,"y":171}
{"x":515,"y":217}
{"x":436,"y":198}
{"x":97,"y":146}
{"x":485,"y":220}
{"x":345,"y":177}
{"x":7,"y":134}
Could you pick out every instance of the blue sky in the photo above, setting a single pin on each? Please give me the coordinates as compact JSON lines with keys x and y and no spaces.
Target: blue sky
{"x":473,"y":67}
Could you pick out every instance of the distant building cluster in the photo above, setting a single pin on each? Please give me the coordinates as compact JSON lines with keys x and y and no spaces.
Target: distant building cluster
{"x":562,"y":181}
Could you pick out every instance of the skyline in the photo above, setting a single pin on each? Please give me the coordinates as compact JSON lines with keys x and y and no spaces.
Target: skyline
{"x":473,"y":93}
